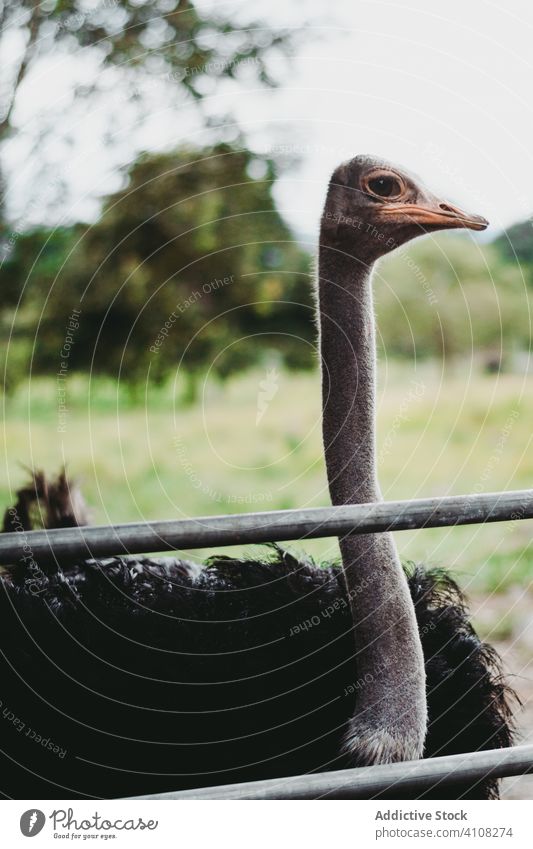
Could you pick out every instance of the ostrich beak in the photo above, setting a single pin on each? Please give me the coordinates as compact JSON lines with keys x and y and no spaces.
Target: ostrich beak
{"x":436,"y":215}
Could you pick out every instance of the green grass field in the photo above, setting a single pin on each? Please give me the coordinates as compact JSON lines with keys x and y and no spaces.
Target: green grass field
{"x":439,"y":433}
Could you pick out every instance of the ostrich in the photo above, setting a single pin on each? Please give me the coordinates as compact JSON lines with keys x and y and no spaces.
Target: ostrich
{"x":135,"y":675}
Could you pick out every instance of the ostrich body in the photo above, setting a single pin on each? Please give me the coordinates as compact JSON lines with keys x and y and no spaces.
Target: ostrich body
{"x":134,"y":675}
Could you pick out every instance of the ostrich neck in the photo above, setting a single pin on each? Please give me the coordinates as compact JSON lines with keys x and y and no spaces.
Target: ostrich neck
{"x":390,"y":722}
{"x":347,"y":341}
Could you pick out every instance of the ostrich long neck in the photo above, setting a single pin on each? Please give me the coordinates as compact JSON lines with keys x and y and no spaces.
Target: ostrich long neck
{"x":390,"y":722}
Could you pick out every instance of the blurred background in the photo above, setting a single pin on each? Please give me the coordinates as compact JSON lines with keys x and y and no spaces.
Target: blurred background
{"x":163,"y":166}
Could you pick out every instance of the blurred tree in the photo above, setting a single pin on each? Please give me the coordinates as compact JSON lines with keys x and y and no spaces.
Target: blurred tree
{"x":515,"y":245}
{"x":450,"y":296}
{"x":173,"y":40}
{"x":190,"y":262}
{"x":27,"y":274}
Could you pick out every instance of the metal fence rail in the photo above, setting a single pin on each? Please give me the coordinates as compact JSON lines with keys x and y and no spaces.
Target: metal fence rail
{"x":366,"y":782}
{"x":273,"y":526}
{"x":282,"y":525}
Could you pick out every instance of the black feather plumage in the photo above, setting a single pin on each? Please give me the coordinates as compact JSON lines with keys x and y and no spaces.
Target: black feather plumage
{"x":153,"y":674}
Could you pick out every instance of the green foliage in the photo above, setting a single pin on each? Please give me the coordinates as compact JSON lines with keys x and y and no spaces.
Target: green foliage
{"x":181,"y":48}
{"x":190,"y":269}
{"x":450,"y":296}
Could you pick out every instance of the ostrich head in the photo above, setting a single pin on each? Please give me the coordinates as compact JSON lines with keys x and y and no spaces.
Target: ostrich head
{"x":378,"y":206}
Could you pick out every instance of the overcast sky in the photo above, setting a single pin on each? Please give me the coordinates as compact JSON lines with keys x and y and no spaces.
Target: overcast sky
{"x":442,"y":88}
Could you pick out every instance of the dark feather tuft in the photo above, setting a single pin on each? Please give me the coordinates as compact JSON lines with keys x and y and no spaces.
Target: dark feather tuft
{"x":44,"y":503}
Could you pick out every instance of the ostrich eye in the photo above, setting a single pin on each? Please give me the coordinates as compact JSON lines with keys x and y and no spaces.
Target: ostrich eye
{"x":385,"y":186}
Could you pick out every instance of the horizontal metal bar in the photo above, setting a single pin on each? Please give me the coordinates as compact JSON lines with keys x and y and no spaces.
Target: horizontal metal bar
{"x":366,"y":782}
{"x":274,"y":526}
